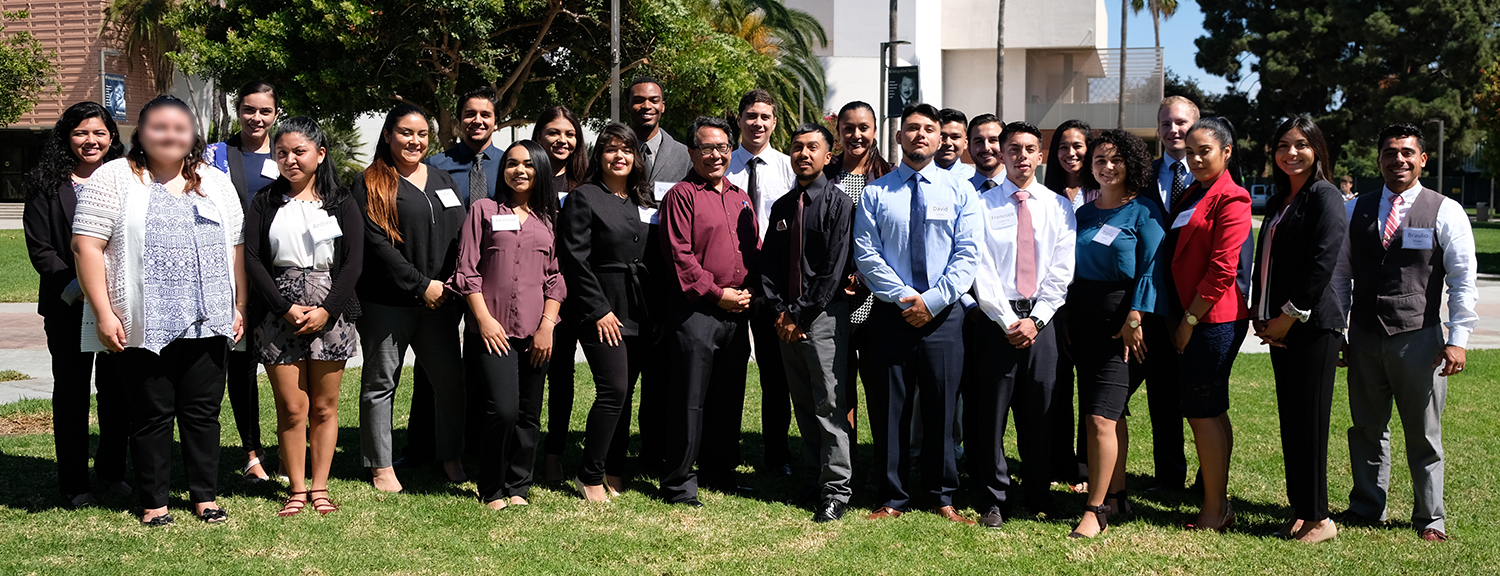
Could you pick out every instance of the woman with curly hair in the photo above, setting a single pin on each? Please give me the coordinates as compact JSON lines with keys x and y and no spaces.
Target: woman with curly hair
{"x":82,"y":140}
{"x":1115,"y":283}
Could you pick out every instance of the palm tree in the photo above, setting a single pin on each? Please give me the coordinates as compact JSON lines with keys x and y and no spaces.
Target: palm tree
{"x":1160,"y":10}
{"x":344,"y":143}
{"x":1000,"y":64}
{"x":785,"y":34}
{"x":140,"y":26}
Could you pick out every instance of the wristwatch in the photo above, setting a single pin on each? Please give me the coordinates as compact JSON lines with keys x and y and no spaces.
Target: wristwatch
{"x":1135,"y":324}
{"x":1039,"y":323}
{"x":1190,"y":318}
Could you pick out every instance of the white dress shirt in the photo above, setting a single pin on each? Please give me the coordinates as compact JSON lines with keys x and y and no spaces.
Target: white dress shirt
{"x":773,"y":176}
{"x":1453,"y":234}
{"x":1164,"y":179}
{"x":1055,"y":231}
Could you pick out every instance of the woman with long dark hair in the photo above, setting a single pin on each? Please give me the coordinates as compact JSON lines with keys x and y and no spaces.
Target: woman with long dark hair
{"x":1068,"y":160}
{"x":158,"y":241}
{"x":305,"y":246}
{"x":508,"y":274}
{"x":81,"y":141}
{"x":605,"y":241}
{"x":412,"y":219}
{"x":1297,"y":313}
{"x":246,"y":157}
{"x":561,"y":135}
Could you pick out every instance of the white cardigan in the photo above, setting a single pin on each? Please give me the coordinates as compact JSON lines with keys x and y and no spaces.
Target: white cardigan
{"x":112,"y":207}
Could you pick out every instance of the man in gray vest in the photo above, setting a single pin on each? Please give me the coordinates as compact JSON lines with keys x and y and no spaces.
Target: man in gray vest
{"x":1405,"y":245}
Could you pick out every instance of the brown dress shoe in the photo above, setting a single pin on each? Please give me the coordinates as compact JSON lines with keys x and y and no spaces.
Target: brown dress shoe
{"x":1433,"y":535}
{"x":953,"y":516}
{"x":884,"y":512}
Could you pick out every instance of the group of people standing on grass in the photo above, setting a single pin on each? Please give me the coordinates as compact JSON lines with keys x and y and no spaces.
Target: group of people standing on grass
{"x":956,"y":286}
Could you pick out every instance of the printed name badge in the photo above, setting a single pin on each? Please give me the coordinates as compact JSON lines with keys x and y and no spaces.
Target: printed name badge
{"x":1002,"y":219}
{"x":325,"y":230}
{"x":1416,"y":239}
{"x":206,"y":213}
{"x":662,"y":188}
{"x":448,"y":197}
{"x":268,"y":169}
{"x":1106,"y":235}
{"x":649,"y":215}
{"x":940,"y":211}
{"x":501,"y":222}
{"x":1183,"y":218}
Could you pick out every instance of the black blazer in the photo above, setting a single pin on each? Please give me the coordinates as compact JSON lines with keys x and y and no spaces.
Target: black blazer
{"x":348,"y":260}
{"x":607,"y":254}
{"x":48,"y":224}
{"x":237,"y":170}
{"x":1303,"y":254}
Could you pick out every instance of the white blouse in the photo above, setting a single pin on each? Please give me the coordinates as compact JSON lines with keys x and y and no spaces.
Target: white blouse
{"x":292,"y":239}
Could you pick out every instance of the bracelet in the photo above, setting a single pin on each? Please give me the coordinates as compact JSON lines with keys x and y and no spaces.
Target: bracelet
{"x":554,"y":320}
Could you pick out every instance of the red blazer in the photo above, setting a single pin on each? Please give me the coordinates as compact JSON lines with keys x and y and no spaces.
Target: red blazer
{"x":1206,"y":259}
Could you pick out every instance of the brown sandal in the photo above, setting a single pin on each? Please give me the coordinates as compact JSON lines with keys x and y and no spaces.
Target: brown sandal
{"x":327,"y":506}
{"x":293,"y":507}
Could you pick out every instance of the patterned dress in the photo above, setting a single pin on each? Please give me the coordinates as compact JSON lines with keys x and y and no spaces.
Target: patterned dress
{"x":187,"y":284}
{"x":854,"y":185}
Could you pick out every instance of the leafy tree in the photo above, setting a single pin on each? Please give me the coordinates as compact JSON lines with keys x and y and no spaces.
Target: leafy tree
{"x":143,"y":29}
{"x":26,"y":70}
{"x":1160,"y":10}
{"x":786,"y":35}
{"x":1487,"y":104}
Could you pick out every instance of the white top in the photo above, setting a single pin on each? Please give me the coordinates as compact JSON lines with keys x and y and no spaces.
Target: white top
{"x":1164,"y":179}
{"x":773,"y":176}
{"x":960,"y":169}
{"x":1055,"y":231}
{"x":1455,"y":236}
{"x":291,"y":236}
{"x":112,"y":207}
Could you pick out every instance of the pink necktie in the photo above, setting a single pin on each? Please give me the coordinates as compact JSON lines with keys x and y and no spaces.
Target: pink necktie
{"x":1025,"y":247}
{"x":1392,"y":221}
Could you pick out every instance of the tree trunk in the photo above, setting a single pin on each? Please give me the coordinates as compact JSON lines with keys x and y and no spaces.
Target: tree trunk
{"x":1000,"y":65}
{"x":1156,"y":20}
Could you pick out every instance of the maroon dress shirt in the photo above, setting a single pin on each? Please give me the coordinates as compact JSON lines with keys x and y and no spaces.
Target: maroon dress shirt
{"x":515,"y":270}
{"x":711,"y":239}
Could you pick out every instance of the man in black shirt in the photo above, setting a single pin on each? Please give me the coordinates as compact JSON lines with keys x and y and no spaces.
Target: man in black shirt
{"x":804,"y":258}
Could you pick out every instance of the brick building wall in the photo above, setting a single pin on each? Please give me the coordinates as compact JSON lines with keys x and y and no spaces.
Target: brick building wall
{"x":71,"y":27}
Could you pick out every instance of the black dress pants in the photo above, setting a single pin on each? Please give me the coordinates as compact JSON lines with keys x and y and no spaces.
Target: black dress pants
{"x":243,"y":387}
{"x":607,"y":433}
{"x":70,"y":407}
{"x":1304,"y":400}
{"x":1162,"y":374}
{"x":512,"y":407}
{"x":775,"y":397}
{"x":184,"y":385}
{"x":903,"y":359}
{"x":560,"y":379}
{"x":421,"y":425}
{"x":1011,"y":379}
{"x":706,"y":398}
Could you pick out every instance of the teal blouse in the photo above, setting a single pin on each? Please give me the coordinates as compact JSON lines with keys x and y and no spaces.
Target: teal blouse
{"x":1131,"y":255}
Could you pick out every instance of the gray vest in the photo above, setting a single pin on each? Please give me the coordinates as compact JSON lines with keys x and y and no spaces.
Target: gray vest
{"x":1396,"y":290}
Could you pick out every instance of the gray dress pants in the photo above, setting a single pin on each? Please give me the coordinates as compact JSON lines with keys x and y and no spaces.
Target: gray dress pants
{"x":384,"y":334}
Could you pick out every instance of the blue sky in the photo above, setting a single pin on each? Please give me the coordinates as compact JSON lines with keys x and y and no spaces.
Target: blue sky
{"x":1177,"y":35}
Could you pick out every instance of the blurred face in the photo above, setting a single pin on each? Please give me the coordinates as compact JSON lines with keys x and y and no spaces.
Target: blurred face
{"x":1023,"y":153}
{"x":857,"y":132}
{"x":167,"y":134}
{"x":711,"y":153}
{"x":985,"y":148}
{"x":408,"y":139}
{"x":89,"y":141}
{"x":919,"y":139}
{"x":1172,"y":124}
{"x":477,"y":120}
{"x":519,"y":173}
{"x":618,"y":158}
{"x":951,"y":143}
{"x":1206,"y":158}
{"x":810,"y":153}
{"x":257,"y":112}
{"x":1109,"y":166}
{"x":297,"y":157}
{"x":1294,"y":155}
{"x":1401,"y":162}
{"x":560,"y":140}
{"x":646,"y":107}
{"x":756,"y":124}
{"x":1071,"y":148}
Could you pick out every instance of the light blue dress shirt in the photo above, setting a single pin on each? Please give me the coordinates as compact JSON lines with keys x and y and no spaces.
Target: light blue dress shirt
{"x":882,"y":238}
{"x":1164,"y":178}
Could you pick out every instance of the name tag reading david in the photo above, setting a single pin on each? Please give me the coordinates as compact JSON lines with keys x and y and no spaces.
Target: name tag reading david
{"x":448,"y":197}
{"x":937,"y":211}
{"x":1106,"y":235}
{"x":1183,"y":218}
{"x":649,"y":215}
{"x":325,"y":230}
{"x":1416,"y":238}
{"x":268,"y":169}
{"x":502,"y":222}
{"x":662,"y":188}
{"x":1002,"y":219}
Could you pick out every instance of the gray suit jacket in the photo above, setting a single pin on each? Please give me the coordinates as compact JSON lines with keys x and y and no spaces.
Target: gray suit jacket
{"x":671,"y":162}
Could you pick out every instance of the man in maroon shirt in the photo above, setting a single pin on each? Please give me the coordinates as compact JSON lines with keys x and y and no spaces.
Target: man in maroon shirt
{"x":711,"y":242}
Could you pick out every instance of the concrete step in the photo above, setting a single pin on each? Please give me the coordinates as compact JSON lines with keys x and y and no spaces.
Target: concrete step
{"x":11,"y":210}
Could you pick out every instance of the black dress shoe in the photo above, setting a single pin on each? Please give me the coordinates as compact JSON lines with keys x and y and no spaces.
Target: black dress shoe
{"x":992,"y":518}
{"x":830,"y":510}
{"x":692,"y":502}
{"x":1352,"y":518}
{"x":779,"y":469}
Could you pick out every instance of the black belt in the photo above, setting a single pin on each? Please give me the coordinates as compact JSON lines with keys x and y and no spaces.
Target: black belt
{"x":1023,"y":307}
{"x":634,"y":292}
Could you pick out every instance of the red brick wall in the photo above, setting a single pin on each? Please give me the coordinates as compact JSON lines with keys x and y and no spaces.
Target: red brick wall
{"x":71,"y":27}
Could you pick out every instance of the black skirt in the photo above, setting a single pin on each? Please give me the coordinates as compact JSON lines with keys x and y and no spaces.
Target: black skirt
{"x":1096,"y":312}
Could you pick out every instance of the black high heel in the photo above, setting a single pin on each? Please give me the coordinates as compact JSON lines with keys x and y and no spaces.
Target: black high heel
{"x":1122,"y":502}
{"x":1101,"y":514}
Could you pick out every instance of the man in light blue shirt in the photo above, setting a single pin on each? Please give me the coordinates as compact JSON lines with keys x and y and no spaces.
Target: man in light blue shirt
{"x":916,"y":243}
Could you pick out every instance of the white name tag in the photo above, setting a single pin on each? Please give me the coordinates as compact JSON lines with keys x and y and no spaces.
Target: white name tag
{"x":448,"y":197}
{"x":562,"y":197}
{"x":1002,"y":219}
{"x":939,"y":211}
{"x":1416,"y":238}
{"x":500,"y":222}
{"x":325,"y":229}
{"x":1183,"y":218}
{"x":268,"y":169}
{"x":1106,"y":235}
{"x":208,"y":214}
{"x":649,"y":215}
{"x":662,"y":188}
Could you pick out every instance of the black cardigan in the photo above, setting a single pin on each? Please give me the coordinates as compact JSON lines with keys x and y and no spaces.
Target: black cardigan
{"x":348,"y":259}
{"x":607,"y":255}
{"x":1303,"y":254}
{"x":48,"y":223}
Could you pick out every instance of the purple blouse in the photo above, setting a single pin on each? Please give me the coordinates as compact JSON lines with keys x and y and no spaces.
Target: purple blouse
{"x":515,"y":270}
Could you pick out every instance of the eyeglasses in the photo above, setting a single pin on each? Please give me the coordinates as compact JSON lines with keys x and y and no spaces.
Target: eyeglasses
{"x":710,"y":148}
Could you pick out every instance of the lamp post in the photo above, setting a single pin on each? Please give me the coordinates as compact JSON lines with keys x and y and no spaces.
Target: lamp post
{"x":1439,"y":122}
{"x":885,"y":97}
{"x":614,"y":57}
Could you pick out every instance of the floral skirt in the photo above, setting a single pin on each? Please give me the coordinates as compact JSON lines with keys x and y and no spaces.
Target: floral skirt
{"x":279,"y":342}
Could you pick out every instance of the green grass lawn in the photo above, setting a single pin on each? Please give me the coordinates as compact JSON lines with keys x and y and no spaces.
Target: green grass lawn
{"x":1487,"y":246}
{"x":18,"y":280}
{"x":437,"y":528}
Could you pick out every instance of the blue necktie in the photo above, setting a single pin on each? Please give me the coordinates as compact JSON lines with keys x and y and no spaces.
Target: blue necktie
{"x":918,"y":239}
